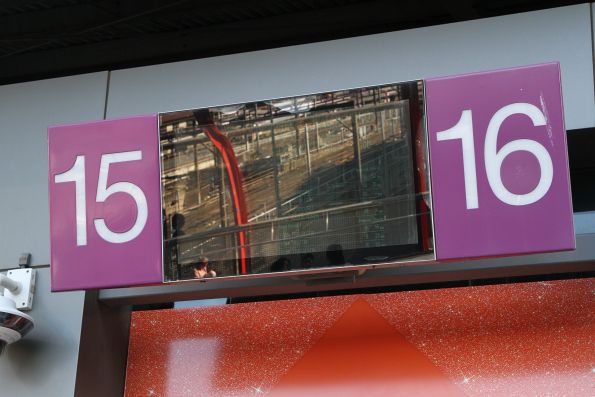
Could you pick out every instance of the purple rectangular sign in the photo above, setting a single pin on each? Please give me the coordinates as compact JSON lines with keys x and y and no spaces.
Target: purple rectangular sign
{"x":105,"y":204}
{"x":499,"y":165}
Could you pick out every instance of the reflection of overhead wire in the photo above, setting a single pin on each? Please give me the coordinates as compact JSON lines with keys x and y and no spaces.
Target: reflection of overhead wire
{"x":345,"y":126}
{"x":206,"y":147}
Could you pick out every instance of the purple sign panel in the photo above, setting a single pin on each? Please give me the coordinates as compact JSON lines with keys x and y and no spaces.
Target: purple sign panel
{"x":105,"y":204}
{"x":499,"y":166}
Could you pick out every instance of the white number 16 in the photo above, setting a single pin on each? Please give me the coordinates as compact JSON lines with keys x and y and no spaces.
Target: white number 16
{"x":76,"y":174}
{"x":494,"y":158}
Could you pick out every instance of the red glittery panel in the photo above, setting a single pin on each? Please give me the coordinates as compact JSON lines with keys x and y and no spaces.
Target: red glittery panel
{"x":531,"y":339}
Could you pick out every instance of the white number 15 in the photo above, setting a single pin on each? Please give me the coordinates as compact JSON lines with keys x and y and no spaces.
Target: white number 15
{"x":76,"y":174}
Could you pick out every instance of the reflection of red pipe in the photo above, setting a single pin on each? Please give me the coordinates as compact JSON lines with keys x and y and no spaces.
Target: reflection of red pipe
{"x":240,"y":213}
{"x":420,"y":166}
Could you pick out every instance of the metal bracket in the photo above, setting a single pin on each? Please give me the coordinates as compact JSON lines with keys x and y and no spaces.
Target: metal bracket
{"x":24,"y":260}
{"x":23,"y":297}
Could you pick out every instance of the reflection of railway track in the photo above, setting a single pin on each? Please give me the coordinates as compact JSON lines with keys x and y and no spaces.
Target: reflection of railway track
{"x":260,"y":188}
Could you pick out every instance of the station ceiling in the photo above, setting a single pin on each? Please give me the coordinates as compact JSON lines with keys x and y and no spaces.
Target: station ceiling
{"x":51,"y":38}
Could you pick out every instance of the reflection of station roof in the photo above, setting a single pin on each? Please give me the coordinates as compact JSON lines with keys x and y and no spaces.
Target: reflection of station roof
{"x":330,"y":108}
{"x":288,"y":122}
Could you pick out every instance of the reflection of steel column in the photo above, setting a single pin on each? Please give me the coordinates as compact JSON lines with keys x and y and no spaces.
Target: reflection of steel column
{"x":357,"y":156}
{"x":297,"y":128}
{"x":244,"y":126}
{"x":297,"y":138}
{"x":257,"y":129}
{"x":196,"y":161}
{"x":308,"y":150}
{"x":316,"y":128}
{"x":379,"y":120}
{"x":275,"y":166}
{"x":384,"y":185}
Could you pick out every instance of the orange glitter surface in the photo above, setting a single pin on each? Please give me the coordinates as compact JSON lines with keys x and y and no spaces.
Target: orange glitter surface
{"x":530,"y":339}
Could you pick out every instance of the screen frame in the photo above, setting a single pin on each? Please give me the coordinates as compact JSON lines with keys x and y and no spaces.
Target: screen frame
{"x":324,"y":272}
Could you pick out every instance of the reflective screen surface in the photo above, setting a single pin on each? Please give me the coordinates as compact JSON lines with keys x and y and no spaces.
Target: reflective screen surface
{"x":324,"y":180}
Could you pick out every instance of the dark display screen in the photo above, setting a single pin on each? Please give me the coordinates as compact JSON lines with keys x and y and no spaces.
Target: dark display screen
{"x":324,"y":180}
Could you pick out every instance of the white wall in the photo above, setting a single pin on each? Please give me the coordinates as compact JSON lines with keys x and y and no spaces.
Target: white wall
{"x":26,"y":110}
{"x":561,"y":34}
{"x":45,"y":362}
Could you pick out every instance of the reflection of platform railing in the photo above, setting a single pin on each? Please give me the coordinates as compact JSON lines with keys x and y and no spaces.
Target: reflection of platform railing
{"x":375,"y":223}
{"x":292,"y":203}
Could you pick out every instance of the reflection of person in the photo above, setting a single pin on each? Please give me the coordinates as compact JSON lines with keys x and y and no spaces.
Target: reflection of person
{"x":201,"y":269}
{"x":280,"y":265}
{"x":307,"y":261}
{"x":177,"y":223}
{"x":334,"y":255}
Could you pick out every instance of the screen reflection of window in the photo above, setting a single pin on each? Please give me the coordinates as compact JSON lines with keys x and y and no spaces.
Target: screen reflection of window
{"x":269,"y":186}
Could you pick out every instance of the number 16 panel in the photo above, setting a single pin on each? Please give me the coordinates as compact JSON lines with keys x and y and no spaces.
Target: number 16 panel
{"x":499,"y":165}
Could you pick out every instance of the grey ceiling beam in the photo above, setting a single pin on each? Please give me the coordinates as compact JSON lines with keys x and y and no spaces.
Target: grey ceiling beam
{"x":50,"y":24}
{"x":461,"y":10}
{"x":269,"y":32}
